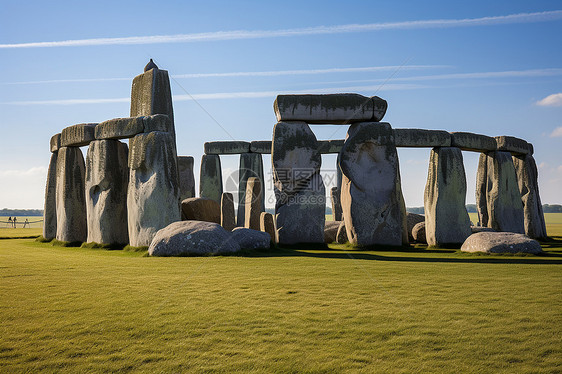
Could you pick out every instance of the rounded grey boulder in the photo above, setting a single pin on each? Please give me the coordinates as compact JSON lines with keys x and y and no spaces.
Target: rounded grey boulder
{"x":500,"y":242}
{"x":186,"y":238}
{"x":251,"y":239}
{"x":418,"y":232}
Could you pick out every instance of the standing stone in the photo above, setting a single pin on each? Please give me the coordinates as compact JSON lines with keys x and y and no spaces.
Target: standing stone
{"x":107,"y":177}
{"x":210,"y":181}
{"x":373,"y":206}
{"x":299,"y":190}
{"x":341,"y":235}
{"x":482,"y":190}
{"x":227,"y":211}
{"x":50,"y":211}
{"x":413,"y":219}
{"x":336,"y":204}
{"x":527,"y":177}
{"x":503,"y":198}
{"x":186,"y":178}
{"x":251,"y":165}
{"x":267,"y":224}
{"x":54,"y":143}
{"x":446,"y":218}
{"x":70,"y":200}
{"x":253,"y":204}
{"x":151,"y":94}
{"x":153,"y":193}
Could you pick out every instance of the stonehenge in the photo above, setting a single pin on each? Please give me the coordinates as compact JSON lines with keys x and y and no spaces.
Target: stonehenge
{"x":125,"y":195}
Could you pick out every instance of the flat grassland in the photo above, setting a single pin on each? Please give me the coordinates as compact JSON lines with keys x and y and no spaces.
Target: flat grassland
{"x":314,"y":311}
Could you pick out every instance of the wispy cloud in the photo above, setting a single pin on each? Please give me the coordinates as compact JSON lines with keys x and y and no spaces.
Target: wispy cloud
{"x":557,"y":133}
{"x":318,"y":30}
{"x":551,"y":100}
{"x":272,"y":73}
{"x":34,"y":171}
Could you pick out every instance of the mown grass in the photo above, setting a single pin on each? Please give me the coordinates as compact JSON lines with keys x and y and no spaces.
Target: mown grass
{"x":312,"y":311}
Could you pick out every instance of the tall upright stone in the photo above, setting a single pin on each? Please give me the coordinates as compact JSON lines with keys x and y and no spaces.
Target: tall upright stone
{"x":253,"y":203}
{"x":153,"y":193}
{"x":503,"y":198}
{"x":151,"y":94}
{"x":210,"y":180}
{"x":482,"y":190}
{"x":446,"y":218}
{"x":251,"y":166}
{"x":227,"y":211}
{"x":527,"y":178}
{"x":373,"y":206}
{"x":336,"y":204}
{"x":107,"y":177}
{"x":50,"y":211}
{"x":267,"y":224}
{"x":70,"y":199}
{"x":186,"y":178}
{"x":299,"y":190}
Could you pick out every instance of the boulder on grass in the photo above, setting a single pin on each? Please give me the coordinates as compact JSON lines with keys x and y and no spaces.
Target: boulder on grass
{"x":185,"y":238}
{"x":330,"y":231}
{"x":501,"y":242}
{"x":251,"y":239}
{"x":418,"y":233}
{"x":201,"y":209}
{"x":413,"y":219}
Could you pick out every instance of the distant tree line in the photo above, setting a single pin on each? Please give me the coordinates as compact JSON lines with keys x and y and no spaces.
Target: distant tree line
{"x":21,"y":212}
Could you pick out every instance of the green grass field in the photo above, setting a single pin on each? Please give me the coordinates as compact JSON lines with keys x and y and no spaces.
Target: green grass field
{"x":312,"y":311}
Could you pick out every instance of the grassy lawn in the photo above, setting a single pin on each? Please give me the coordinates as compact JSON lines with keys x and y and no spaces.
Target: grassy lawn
{"x":316,"y":311}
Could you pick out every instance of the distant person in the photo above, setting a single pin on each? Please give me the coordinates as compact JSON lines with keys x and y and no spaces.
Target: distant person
{"x":26,"y":223}
{"x":14,"y":221}
{"x":10,"y":221}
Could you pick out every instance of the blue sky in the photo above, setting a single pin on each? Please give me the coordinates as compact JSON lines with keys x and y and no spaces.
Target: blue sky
{"x":488,"y":67}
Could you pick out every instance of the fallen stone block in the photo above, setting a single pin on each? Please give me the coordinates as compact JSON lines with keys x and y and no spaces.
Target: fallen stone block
{"x":500,"y":242}
{"x":251,"y":239}
{"x":467,"y":141}
{"x":78,"y":135}
{"x":226,"y":148}
{"x":201,"y":209}
{"x":421,"y":138}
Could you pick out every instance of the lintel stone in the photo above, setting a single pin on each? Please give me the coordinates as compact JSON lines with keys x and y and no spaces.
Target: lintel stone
{"x":78,"y":135}
{"x":514,"y":145}
{"x":261,"y":146}
{"x":226,"y":147}
{"x":468,"y":141}
{"x":55,"y":143}
{"x":421,"y":138}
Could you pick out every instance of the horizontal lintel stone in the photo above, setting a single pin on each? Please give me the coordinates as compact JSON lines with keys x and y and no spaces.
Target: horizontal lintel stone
{"x":226,"y":147}
{"x":330,"y":146}
{"x":261,"y":146}
{"x":335,"y":109}
{"x":514,"y":145}
{"x":55,"y":142}
{"x":421,"y":138}
{"x":78,"y":135}
{"x":128,"y":127}
{"x":468,"y":141}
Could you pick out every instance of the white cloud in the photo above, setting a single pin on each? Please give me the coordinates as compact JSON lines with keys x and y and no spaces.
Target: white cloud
{"x":38,"y":170}
{"x":23,"y":189}
{"x":557,"y":132}
{"x":318,"y":30}
{"x":551,"y":100}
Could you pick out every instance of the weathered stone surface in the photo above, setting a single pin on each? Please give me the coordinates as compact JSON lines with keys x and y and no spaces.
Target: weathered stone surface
{"x":371,"y":195}
{"x":119,"y":128}
{"x":78,"y":135}
{"x":467,"y":141}
{"x":153,"y":192}
{"x":500,"y":242}
{"x":210,"y":181}
{"x":503,"y":199}
{"x":527,"y":178}
{"x":251,"y":166}
{"x":192,"y":238}
{"x":418,"y":233}
{"x":331,"y":231}
{"x":201,"y":209}
{"x":446,"y":218}
{"x":341,"y":235}
{"x":413,"y":219}
{"x":267,"y":224}
{"x":50,"y":210}
{"x":70,"y":200}
{"x":228,"y":219}
{"x":122,"y":128}
{"x":260,"y":146}
{"x":482,"y":190}
{"x":330,"y":146}
{"x":151,"y":94}
{"x":54,"y":144}
{"x":514,"y":145}
{"x":253,"y":204}
{"x":294,"y":156}
{"x":298,"y":186}
{"x":476,"y":229}
{"x":107,"y":177}
{"x":186,"y":177}
{"x":336,"y":204}
{"x":251,"y":239}
{"x":226,"y":147}
{"x":329,"y":109}
{"x":421,"y":138}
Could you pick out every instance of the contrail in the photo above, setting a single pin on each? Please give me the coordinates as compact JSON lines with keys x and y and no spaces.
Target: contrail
{"x":318,"y":30}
